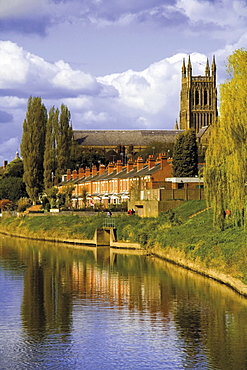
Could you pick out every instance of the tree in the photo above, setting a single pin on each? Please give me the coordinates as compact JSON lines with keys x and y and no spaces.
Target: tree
{"x":64,"y":137}
{"x":185,"y":155}
{"x":5,"y":204}
{"x":15,"y":168}
{"x":33,"y":145}
{"x":155,"y":148}
{"x":23,"y":204}
{"x":12,"y":188}
{"x":50,"y":148}
{"x":225,"y":172}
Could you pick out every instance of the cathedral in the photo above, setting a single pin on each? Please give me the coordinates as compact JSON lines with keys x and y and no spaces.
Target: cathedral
{"x":198,"y":111}
{"x":198,"y":98}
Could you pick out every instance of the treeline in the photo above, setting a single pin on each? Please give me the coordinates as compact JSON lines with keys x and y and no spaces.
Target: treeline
{"x":46,"y":146}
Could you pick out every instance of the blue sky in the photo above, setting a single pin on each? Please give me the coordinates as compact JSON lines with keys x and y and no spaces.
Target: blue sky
{"x":116,"y":64}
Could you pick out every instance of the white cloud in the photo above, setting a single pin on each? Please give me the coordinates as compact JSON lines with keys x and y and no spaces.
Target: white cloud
{"x":226,"y":14}
{"x":89,"y":117}
{"x":13,"y":66}
{"x":67,"y":78}
{"x":149,"y":91}
{"x":33,"y":74}
{"x":145,"y":99}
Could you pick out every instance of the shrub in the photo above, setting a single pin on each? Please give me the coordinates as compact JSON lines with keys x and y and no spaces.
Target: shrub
{"x":23,"y":204}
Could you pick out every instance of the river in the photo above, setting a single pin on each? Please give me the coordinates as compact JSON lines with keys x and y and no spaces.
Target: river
{"x":88,"y":308}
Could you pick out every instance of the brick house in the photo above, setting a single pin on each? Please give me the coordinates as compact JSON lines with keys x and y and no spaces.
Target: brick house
{"x":115,"y":183}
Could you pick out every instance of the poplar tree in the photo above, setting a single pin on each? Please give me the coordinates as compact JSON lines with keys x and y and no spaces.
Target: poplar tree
{"x":185,"y":155}
{"x":226,"y":157}
{"x":33,"y":145}
{"x":64,"y":136}
{"x":50,"y":148}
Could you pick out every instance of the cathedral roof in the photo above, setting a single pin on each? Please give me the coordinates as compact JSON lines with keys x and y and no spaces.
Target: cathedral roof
{"x":123,"y":137}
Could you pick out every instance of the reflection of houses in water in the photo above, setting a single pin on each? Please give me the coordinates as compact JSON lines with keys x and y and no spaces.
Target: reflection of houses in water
{"x":115,"y":286}
{"x":91,"y":281}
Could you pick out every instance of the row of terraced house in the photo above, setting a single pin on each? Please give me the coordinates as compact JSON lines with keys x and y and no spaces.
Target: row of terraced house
{"x":112,"y":184}
{"x":118,"y":183}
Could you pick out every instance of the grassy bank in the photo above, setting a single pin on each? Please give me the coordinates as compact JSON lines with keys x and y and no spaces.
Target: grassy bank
{"x":175,"y":233}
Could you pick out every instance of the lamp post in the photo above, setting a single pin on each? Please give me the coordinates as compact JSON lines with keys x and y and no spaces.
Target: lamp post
{"x":122,"y":154}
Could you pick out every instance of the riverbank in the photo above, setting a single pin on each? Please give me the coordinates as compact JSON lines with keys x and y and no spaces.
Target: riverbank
{"x":176,"y":236}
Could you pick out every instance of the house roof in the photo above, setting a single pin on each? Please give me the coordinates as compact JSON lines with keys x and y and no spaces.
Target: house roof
{"x":145,"y":171}
{"x":123,"y":137}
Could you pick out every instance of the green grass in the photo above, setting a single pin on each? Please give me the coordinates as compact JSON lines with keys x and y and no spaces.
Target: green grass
{"x":196,"y":238}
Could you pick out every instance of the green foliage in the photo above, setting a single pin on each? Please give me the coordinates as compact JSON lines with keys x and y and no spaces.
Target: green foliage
{"x":85,"y":159}
{"x":66,"y":195}
{"x":225,"y":172}
{"x":45,"y":147}
{"x":23,"y":204}
{"x":12,"y":188}
{"x":15,"y":168}
{"x":155,"y":148}
{"x":185,"y":155}
{"x":173,"y":218}
{"x":50,"y":149}
{"x":64,"y":135}
{"x":33,"y":146}
{"x":61,"y":200}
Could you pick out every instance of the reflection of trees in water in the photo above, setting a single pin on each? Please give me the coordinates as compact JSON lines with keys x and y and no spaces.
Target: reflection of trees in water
{"x":209,"y":318}
{"x":47,"y":305}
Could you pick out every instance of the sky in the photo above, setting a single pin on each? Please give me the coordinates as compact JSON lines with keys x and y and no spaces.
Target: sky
{"x":116,"y":64}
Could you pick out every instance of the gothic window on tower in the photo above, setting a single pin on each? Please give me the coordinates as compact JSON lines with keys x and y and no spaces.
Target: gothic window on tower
{"x":197,"y":98}
{"x":205,"y":97}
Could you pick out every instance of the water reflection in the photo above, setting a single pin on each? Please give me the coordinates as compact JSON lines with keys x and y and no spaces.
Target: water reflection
{"x":138,"y":312}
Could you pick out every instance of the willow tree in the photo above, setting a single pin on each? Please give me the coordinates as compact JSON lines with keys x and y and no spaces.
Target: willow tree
{"x":32,"y":147}
{"x":225,"y":172}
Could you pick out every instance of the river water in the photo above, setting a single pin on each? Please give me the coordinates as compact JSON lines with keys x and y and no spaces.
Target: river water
{"x":88,"y":308}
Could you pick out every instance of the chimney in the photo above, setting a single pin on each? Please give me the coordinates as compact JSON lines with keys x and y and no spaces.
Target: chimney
{"x":94,"y":170}
{"x":140,"y":163}
{"x":119,"y":166}
{"x":130,"y":165}
{"x":68,"y":174}
{"x":151,"y":161}
{"x":110,"y":168}
{"x":101,"y":169}
{"x":74,"y":174}
{"x":81,"y":173}
{"x":163,"y":160}
{"x":87,"y":171}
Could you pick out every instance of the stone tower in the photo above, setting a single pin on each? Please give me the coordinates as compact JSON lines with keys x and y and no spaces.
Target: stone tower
{"x":198,"y":100}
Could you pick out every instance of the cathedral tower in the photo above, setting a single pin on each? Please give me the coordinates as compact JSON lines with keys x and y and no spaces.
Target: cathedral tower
{"x":198,"y":99}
